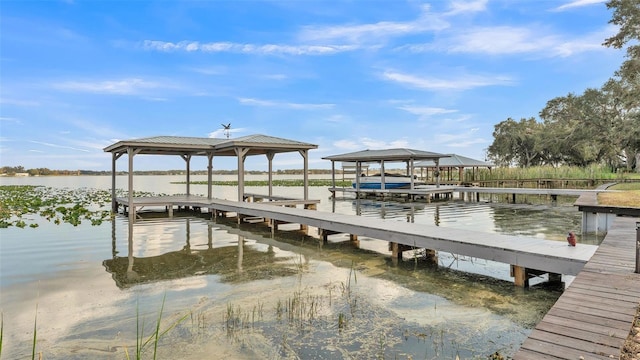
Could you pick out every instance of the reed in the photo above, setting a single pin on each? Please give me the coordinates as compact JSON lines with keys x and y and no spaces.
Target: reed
{"x":156,"y":336}
{"x":593,"y":172}
{"x":1,"y":332}
{"x":35,"y":337}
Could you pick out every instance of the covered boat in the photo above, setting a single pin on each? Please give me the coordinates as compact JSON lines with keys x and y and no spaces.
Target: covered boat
{"x":391,"y":181}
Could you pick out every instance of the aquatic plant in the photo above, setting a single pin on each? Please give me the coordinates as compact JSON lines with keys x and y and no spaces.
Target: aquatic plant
{"x":71,"y":206}
{"x":35,"y":328}
{"x":155,"y":337}
{"x":1,"y":332}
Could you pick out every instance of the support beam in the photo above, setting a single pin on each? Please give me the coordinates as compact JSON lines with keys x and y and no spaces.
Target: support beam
{"x":382,"y":178}
{"x":270,"y":156}
{"x":209,"y":175}
{"x":241,"y":153}
{"x":305,"y":156}
{"x":187,"y":159}
{"x":114,"y":202}
{"x":520,"y":276}
{"x":132,"y":208}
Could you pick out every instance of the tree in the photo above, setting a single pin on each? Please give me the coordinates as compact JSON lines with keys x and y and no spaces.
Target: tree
{"x":584,"y":129}
{"x":625,"y":86}
{"x":516,"y":143}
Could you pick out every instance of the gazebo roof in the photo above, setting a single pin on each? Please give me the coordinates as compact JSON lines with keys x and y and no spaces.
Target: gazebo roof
{"x":398,"y":154}
{"x":180,"y":145}
{"x":455,"y":160}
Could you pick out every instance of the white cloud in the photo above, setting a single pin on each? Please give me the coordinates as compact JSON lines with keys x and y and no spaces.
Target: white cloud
{"x":465,"y":82}
{"x":268,"y":49}
{"x":458,"y":7}
{"x":383,"y":144}
{"x":501,"y":40}
{"x":577,"y":3}
{"x":57,"y":146}
{"x":426,"y":21}
{"x":348,"y":145}
{"x":10,"y":120}
{"x":220,"y":133}
{"x":460,"y":140}
{"x":120,"y":87}
{"x":17,"y":102}
{"x":425,"y":110}
{"x":275,"y":76}
{"x":297,"y":106}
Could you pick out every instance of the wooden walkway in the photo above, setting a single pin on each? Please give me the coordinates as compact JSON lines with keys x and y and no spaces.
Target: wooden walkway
{"x":522,"y":252}
{"x":593,"y":317}
{"x":430,"y":192}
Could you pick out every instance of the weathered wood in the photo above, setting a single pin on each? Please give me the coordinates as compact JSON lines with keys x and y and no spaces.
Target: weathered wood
{"x":531,"y":253}
{"x":593,"y":317}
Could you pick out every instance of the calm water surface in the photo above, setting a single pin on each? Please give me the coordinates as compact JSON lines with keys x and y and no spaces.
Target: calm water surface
{"x":247,"y":295}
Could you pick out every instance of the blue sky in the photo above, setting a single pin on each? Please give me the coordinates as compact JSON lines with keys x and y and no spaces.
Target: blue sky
{"x":77,"y":76}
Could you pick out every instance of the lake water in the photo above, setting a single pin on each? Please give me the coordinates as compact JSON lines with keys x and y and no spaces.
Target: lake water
{"x":245,"y":294}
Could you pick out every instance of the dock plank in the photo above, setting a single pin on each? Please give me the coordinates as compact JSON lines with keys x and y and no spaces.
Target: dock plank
{"x":595,"y":313}
{"x":532,"y":253}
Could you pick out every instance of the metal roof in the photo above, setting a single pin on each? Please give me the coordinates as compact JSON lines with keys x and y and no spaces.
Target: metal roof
{"x":180,"y":145}
{"x":399,"y":154}
{"x":455,"y":160}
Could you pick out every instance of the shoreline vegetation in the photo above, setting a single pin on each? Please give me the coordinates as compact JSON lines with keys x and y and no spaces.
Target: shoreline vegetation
{"x":593,"y":172}
{"x":74,"y":206}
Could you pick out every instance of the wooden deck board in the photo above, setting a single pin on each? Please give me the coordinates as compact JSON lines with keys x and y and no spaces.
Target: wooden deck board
{"x":579,"y":346}
{"x":532,"y":253}
{"x":580,"y":334}
{"x":596,"y":311}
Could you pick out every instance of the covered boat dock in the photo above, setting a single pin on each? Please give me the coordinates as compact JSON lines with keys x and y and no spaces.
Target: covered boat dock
{"x":366,"y":157}
{"x":188,"y":147}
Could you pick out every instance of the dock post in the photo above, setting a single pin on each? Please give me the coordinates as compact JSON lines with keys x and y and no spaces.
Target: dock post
{"x":396,"y":254}
{"x":354,"y":240}
{"x":555,"y":278}
{"x":637,"y":247}
{"x":520,"y":276}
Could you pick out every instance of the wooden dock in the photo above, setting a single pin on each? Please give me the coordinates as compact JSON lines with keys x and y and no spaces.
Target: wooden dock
{"x":593,"y":317}
{"x":526,"y":255}
{"x":431,"y":192}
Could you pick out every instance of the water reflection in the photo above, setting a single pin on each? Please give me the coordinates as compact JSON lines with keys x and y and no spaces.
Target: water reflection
{"x":233,"y":264}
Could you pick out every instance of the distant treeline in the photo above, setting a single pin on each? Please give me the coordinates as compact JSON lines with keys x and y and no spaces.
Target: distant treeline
{"x":13,"y":170}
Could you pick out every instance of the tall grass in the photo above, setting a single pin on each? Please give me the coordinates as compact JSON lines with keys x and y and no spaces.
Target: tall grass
{"x":593,"y":172}
{"x":1,"y":332}
{"x":155,"y":337}
{"x":35,"y":327}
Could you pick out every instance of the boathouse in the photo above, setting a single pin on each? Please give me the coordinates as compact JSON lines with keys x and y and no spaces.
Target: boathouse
{"x":366,"y":157}
{"x":188,"y":147}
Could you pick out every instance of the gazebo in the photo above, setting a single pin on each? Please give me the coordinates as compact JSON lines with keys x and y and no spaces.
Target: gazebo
{"x":188,"y":147}
{"x":408,"y":156}
{"x":454,"y":161}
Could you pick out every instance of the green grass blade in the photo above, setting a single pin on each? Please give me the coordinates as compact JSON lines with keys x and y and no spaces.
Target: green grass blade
{"x":35,"y":325}
{"x":1,"y":332}
{"x":157,"y":333}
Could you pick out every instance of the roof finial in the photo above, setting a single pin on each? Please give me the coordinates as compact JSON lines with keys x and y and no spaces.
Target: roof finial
{"x":227,"y":129}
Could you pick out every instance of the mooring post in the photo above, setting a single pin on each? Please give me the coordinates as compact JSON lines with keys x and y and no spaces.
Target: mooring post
{"x":637,"y":247}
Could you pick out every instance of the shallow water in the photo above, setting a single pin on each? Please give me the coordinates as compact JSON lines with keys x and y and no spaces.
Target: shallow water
{"x":246,"y":294}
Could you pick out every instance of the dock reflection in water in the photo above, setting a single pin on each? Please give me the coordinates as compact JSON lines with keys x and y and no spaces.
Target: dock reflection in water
{"x":413,"y":308}
{"x":232,"y":264}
